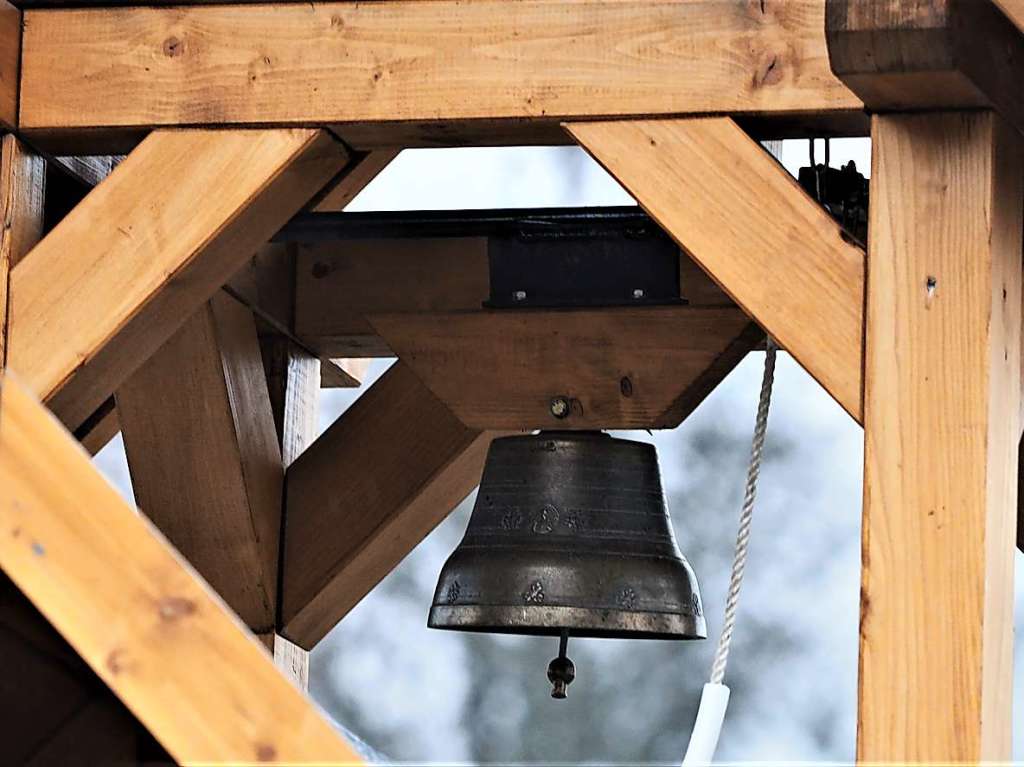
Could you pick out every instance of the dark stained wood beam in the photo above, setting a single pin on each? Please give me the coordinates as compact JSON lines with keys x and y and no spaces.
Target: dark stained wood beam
{"x":346,"y":64}
{"x":900,"y":56}
{"x":365,"y":493}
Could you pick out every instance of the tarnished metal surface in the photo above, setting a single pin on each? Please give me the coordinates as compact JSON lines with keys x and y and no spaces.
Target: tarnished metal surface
{"x":570,"y":531}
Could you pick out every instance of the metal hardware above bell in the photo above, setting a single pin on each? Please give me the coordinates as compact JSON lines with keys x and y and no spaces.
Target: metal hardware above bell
{"x":570,"y":535}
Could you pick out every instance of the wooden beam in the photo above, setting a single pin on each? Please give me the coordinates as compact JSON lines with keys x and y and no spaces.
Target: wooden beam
{"x":293,"y":378}
{"x":266,"y":284}
{"x":898,"y":55}
{"x":742,"y":218}
{"x":138,"y":256}
{"x":388,"y":72}
{"x":55,"y":710}
{"x":625,"y":368}
{"x":22,"y":185}
{"x":365,"y":493}
{"x":88,"y":169}
{"x":136,"y":612}
{"x":355,"y":370}
{"x":338,"y":284}
{"x":942,"y":421}
{"x":98,"y":429}
{"x":204,"y":458}
{"x":1014,"y":11}
{"x":366,"y":169}
{"x":10,"y":64}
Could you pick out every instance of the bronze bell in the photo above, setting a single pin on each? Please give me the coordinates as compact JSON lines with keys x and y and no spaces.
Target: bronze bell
{"x":570,"y":535}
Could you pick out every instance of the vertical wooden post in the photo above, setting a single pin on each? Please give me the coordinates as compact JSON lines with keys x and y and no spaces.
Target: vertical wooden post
{"x":293,"y":378}
{"x":22,"y":185}
{"x":941,"y":423}
{"x":293,"y":382}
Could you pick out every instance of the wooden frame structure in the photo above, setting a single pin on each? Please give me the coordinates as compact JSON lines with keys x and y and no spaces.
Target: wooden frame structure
{"x":155,"y":306}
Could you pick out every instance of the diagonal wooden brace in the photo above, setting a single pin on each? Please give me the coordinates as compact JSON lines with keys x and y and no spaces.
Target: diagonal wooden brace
{"x":136,"y":612}
{"x":361,"y":497}
{"x":146,"y":248}
{"x":742,"y":218}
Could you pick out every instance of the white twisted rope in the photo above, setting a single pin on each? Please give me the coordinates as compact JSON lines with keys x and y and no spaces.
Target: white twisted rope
{"x":739,"y":562}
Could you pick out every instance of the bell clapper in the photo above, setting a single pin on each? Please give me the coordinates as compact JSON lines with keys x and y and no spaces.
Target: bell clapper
{"x":561,"y":671}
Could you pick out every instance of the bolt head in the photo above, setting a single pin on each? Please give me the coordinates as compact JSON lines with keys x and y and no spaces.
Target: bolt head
{"x":560,"y":407}
{"x":519,"y":295}
{"x":638,"y":292}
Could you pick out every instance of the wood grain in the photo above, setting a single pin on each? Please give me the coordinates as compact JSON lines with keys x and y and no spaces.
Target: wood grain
{"x":904,"y":56}
{"x":204,"y":457}
{"x":942,"y":423}
{"x":136,"y":612}
{"x":138,"y":255}
{"x":748,"y":224}
{"x":444,"y":64}
{"x":10,"y":64}
{"x":337,"y":284}
{"x":623,"y":368}
{"x":294,"y":380}
{"x":22,"y":187}
{"x":55,"y":710}
{"x":365,"y":493}
{"x":290,"y":659}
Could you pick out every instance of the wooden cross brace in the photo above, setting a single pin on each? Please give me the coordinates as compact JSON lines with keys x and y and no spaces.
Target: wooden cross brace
{"x":919,"y":339}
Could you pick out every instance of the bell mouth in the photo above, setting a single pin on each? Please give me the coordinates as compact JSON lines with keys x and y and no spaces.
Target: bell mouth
{"x":552,"y":620}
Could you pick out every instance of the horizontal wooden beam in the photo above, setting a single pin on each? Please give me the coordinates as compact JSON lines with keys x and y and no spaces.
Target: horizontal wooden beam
{"x":748,"y":223}
{"x":138,"y":256}
{"x":361,"y":497}
{"x":351,"y":267}
{"x":203,"y":452}
{"x":622,"y":368}
{"x":136,"y":612}
{"x":907,"y":56}
{"x":338,"y":284}
{"x":385,"y":73}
